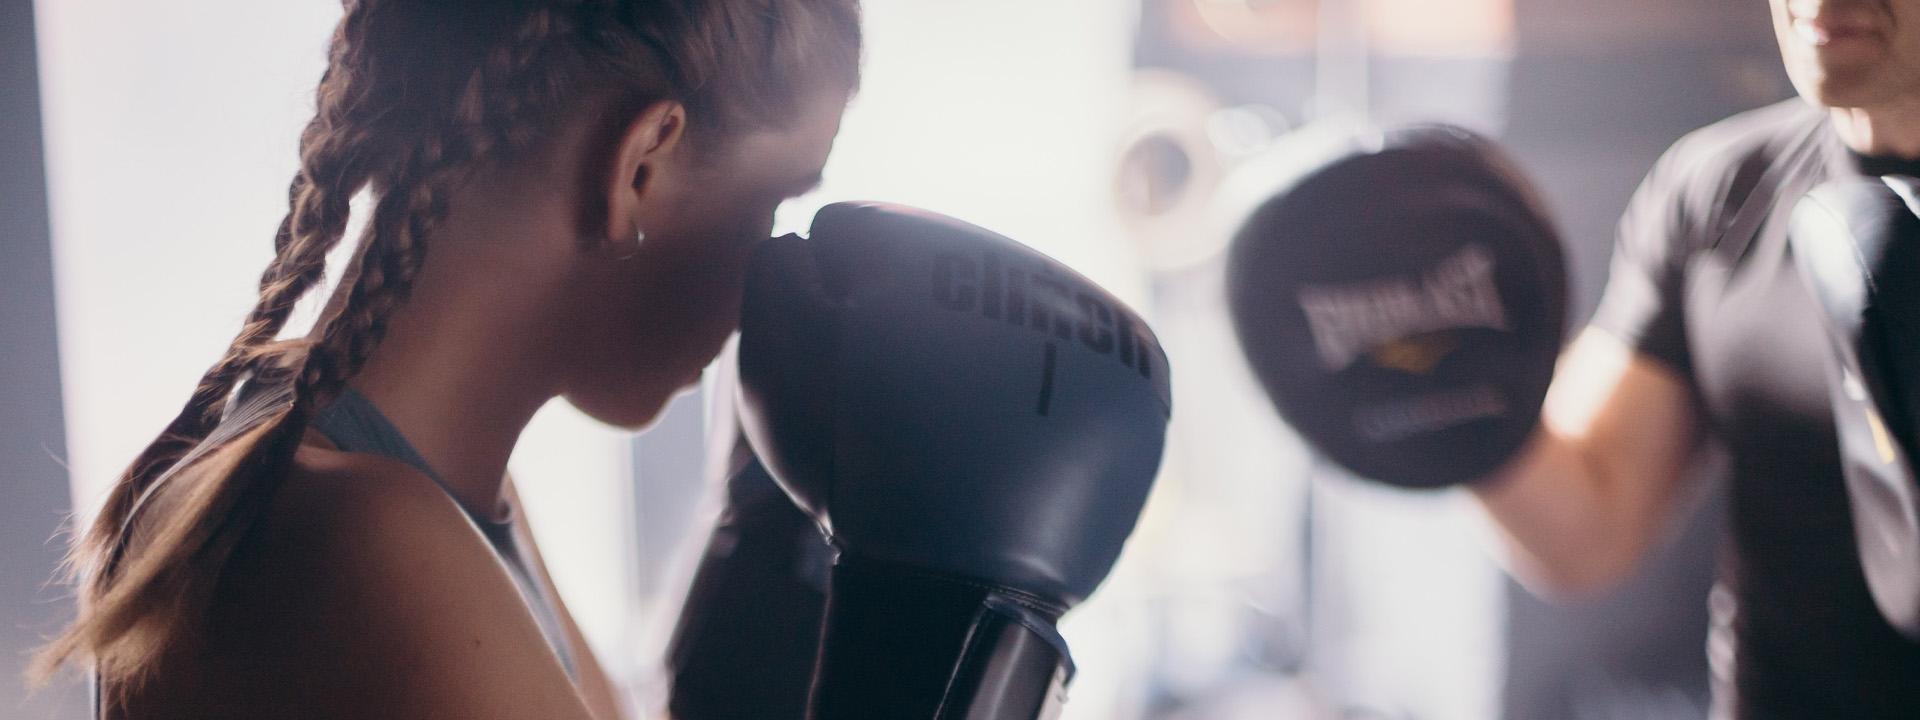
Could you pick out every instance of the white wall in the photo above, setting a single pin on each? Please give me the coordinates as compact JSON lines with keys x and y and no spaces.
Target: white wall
{"x":1003,"y":112}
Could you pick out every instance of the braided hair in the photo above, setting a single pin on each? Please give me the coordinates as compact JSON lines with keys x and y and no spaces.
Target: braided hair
{"x":417,"y":96}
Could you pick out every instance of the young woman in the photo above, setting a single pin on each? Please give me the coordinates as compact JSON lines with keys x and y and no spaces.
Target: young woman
{"x":564,"y":196}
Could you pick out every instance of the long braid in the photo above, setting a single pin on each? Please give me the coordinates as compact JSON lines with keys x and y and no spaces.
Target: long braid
{"x":383,"y":270}
{"x":332,"y":171}
{"x":311,"y":212}
{"x":314,"y":224}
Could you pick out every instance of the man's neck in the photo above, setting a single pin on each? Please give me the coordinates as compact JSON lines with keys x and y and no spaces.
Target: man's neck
{"x":1890,"y":130}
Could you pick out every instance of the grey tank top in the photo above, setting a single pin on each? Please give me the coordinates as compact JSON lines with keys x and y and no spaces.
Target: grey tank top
{"x":354,"y":425}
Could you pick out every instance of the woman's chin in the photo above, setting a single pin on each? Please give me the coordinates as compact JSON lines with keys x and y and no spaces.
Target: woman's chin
{"x":634,"y":413}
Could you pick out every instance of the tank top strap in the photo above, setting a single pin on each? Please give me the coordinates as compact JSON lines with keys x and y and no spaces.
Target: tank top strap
{"x":353,"y":424}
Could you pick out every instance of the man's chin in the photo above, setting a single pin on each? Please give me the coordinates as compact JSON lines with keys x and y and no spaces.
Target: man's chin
{"x":1842,"y":88}
{"x":1840,"y":82}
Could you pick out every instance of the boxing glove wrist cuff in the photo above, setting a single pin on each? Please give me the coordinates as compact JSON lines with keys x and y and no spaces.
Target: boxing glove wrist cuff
{"x":906,"y":643}
{"x":749,"y":631}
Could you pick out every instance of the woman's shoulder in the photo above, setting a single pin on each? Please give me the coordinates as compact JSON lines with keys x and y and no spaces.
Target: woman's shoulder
{"x":369,"y":583}
{"x":363,"y":524}
{"x":333,"y":493}
{"x":354,"y":526}
{"x":326,"y":502}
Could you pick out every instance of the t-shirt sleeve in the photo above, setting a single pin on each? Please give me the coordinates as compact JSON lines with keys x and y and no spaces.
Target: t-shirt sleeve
{"x":1644,"y":300}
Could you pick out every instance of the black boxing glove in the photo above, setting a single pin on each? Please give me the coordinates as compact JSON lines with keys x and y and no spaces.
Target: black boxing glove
{"x":975,"y":427}
{"x":749,"y":629}
{"x":1402,"y":299}
{"x":1857,"y":243}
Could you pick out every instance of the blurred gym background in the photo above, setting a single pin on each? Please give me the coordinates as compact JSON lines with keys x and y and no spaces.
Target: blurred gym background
{"x":144,"y":150}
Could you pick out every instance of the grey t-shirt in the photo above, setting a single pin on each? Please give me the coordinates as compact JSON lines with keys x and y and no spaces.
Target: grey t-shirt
{"x":1796,"y":634}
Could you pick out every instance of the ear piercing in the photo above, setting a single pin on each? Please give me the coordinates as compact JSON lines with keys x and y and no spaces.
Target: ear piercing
{"x":639,"y":238}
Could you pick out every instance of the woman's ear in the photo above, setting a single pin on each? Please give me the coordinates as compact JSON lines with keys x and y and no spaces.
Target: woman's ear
{"x":640,"y":169}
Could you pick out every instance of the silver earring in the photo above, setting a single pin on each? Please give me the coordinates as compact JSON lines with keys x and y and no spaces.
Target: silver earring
{"x":639,"y":238}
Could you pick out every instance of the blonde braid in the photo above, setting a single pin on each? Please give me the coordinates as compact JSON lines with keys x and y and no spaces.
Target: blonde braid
{"x":318,"y":207}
